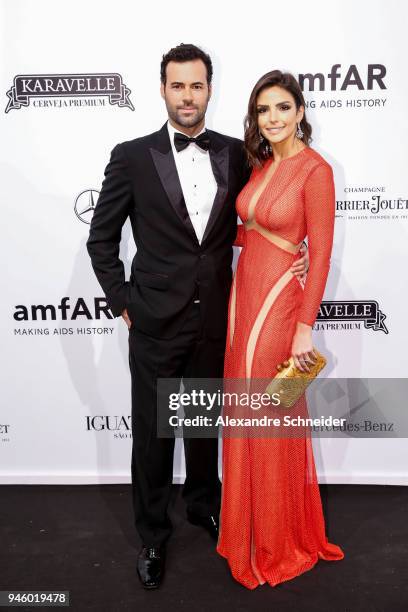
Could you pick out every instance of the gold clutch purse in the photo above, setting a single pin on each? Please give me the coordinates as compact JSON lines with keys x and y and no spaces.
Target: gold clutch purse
{"x":290,"y":383}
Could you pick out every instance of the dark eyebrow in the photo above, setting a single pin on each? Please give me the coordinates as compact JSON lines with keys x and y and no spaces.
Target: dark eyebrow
{"x":278,"y":104}
{"x":180,"y":83}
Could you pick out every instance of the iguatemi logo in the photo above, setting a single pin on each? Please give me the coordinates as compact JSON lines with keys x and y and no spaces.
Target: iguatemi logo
{"x":350,"y":315}
{"x":120,"y":425}
{"x":53,"y":90}
{"x":4,"y":432}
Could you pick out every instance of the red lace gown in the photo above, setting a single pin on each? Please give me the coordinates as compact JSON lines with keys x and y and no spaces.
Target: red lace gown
{"x":272,"y":527}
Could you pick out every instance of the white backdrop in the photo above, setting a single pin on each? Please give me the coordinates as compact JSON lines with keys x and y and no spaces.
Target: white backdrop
{"x":65,"y":388}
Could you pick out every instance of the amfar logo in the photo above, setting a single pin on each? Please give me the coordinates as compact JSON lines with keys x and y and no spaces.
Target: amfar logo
{"x":85,"y":204}
{"x":342,"y":80}
{"x":47,"y":312}
{"x":364,"y":311}
{"x":77,"y":87}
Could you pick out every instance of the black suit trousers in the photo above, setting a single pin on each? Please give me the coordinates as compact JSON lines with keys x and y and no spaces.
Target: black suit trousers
{"x":190,"y":355}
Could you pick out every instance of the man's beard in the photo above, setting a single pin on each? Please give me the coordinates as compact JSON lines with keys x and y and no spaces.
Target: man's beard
{"x":187,"y":122}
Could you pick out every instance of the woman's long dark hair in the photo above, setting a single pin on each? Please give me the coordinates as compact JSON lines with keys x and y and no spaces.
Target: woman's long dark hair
{"x":256,"y":150}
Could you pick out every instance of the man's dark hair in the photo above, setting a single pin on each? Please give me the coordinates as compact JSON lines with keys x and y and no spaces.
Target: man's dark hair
{"x":185,"y":53}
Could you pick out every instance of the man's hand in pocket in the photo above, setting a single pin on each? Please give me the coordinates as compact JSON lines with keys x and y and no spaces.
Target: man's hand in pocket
{"x":125,"y":317}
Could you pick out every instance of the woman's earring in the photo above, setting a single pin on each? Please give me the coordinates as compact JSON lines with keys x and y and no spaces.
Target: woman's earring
{"x":263,"y":141}
{"x":299,"y":132}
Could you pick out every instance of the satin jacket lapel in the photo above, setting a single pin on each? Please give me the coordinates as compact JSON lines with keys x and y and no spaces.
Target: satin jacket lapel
{"x":163,"y":160}
{"x":219,"y":157}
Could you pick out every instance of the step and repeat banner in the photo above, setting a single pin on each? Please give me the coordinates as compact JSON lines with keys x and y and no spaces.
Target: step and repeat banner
{"x":78,"y":78}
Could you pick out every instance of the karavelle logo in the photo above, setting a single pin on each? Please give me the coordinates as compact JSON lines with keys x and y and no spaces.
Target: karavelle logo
{"x":68,"y":90}
{"x":331,"y":314}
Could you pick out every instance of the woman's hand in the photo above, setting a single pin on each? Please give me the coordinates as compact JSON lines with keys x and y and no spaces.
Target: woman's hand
{"x":302,"y":347}
{"x":301,"y":265}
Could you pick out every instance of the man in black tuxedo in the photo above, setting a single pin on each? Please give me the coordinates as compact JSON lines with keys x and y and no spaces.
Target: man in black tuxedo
{"x":178,"y":186}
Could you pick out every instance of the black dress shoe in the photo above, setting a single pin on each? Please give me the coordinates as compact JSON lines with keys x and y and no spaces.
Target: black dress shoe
{"x":210,"y":523}
{"x":150,"y":566}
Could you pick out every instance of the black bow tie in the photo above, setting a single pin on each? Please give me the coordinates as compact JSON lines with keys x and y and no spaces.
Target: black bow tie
{"x":181,"y":141}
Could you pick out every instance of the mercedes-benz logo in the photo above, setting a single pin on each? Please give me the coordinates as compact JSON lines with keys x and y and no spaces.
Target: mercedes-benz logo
{"x":85,"y":205}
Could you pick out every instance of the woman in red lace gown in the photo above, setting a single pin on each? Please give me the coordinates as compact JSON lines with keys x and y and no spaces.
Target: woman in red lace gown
{"x":272,"y":525}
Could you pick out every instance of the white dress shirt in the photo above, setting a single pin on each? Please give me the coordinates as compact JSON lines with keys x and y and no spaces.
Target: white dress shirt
{"x":197,"y":181}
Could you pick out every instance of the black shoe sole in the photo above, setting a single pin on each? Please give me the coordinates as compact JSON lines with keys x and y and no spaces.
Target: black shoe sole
{"x":149,"y":587}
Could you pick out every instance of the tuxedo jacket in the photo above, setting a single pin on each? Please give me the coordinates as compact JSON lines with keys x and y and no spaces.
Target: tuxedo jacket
{"x":170,"y":268}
